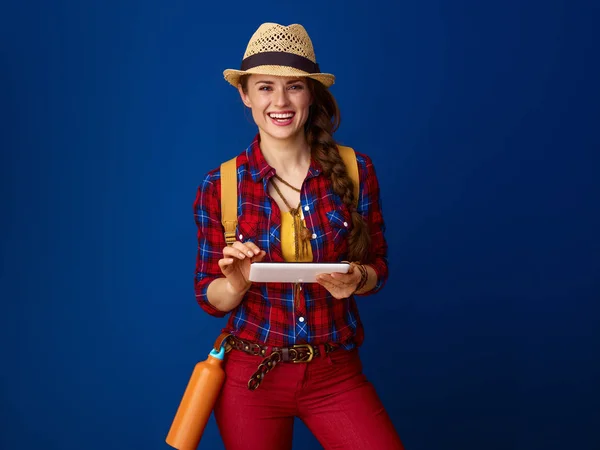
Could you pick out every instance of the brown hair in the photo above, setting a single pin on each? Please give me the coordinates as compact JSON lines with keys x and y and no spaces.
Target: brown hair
{"x":324,"y":119}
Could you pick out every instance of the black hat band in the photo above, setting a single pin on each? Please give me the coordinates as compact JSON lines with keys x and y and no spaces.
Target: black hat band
{"x":280,"y":59}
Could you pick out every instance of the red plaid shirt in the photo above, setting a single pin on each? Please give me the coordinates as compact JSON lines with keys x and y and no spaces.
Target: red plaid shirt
{"x":267,"y":314}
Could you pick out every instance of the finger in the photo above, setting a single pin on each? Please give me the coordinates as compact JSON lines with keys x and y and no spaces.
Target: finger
{"x":349,"y":279}
{"x":234,"y":252}
{"x":328,"y":276}
{"x":327,"y":286}
{"x":225,"y":264}
{"x":336,"y":291}
{"x":243,"y":248}
{"x":340,"y":276}
{"x":342,"y":279}
{"x":326,"y":282}
{"x":253,"y":247}
{"x":323,"y":277}
{"x":260,"y":256}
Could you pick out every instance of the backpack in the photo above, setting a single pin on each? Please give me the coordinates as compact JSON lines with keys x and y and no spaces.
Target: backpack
{"x":229,"y":189}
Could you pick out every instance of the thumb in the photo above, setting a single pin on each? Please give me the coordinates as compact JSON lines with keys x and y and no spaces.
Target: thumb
{"x":260,"y":256}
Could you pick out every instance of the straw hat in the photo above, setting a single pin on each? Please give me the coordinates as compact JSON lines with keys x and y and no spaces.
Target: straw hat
{"x":282,"y":51}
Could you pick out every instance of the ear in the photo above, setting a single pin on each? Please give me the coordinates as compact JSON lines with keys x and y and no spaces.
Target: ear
{"x":244,"y":97}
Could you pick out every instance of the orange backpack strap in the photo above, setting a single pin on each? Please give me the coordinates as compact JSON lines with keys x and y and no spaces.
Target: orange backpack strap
{"x":349,"y":157}
{"x":229,"y":189}
{"x":229,"y":199}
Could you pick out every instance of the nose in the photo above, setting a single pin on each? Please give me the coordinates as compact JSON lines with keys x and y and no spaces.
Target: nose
{"x":281,"y":97}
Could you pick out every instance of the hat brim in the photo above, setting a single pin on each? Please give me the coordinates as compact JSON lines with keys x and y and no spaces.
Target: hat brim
{"x":233,"y":76}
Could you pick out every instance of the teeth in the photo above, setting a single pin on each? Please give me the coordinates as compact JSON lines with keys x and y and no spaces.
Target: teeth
{"x":281,"y":116}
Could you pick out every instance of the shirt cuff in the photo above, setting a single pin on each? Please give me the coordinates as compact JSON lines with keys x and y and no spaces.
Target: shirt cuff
{"x":381,"y":272}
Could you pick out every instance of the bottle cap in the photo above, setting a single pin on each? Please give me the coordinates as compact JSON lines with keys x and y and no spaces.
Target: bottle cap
{"x":219,"y":354}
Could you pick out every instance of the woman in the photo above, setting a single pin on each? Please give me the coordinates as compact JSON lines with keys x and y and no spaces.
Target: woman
{"x":296,"y":204}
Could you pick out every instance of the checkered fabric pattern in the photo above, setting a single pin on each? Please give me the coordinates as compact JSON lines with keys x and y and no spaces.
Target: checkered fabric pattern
{"x":268,"y":315}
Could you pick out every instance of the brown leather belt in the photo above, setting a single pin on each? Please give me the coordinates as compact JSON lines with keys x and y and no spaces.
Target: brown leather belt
{"x":300,"y":353}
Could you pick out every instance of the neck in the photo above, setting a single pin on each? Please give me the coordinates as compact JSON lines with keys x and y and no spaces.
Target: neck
{"x":287,"y":157}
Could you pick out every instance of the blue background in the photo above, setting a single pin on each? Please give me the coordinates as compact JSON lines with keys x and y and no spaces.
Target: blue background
{"x":482,"y":121}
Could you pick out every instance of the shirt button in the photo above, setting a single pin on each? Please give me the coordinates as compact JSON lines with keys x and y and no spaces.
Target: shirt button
{"x":306,"y":208}
{"x":314,"y":236}
{"x":241,"y":237}
{"x":345,"y":224}
{"x":301,"y":319}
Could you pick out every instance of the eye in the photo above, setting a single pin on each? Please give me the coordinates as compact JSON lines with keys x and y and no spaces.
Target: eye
{"x":264,"y":87}
{"x":297,"y":87}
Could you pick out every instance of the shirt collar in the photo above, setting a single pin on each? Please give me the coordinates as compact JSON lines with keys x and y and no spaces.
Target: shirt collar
{"x":259,"y":168}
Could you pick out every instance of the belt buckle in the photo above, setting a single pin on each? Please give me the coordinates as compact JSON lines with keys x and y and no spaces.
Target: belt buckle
{"x":311,"y":353}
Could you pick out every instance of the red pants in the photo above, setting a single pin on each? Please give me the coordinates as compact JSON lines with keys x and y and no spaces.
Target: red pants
{"x":330,"y":395}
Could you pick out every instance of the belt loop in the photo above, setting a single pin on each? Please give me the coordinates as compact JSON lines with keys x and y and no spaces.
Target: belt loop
{"x":285,"y":354}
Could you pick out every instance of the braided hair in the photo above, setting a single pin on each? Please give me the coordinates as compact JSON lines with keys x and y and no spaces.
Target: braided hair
{"x":323,"y":121}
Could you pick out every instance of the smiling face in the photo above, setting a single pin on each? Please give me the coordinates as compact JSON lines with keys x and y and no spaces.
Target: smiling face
{"x":280,"y":105}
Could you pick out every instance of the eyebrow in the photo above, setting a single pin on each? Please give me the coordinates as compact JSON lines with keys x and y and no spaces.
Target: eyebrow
{"x":270,"y":82}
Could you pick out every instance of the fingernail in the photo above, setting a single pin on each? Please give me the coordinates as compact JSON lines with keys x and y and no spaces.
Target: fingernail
{"x":242,"y":255}
{"x":250,"y":253}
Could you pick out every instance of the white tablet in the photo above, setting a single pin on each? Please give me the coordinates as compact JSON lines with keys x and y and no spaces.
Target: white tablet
{"x":264,"y":272}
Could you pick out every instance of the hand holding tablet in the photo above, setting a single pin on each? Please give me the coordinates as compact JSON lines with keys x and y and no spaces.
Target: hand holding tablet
{"x":269,"y":272}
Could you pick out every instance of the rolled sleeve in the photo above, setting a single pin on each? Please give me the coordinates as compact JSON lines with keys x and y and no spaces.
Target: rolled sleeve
{"x":369,"y":206}
{"x":207,"y":211}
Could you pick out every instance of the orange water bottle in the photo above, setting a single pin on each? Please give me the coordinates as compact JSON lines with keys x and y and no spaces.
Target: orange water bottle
{"x":197,"y":403}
